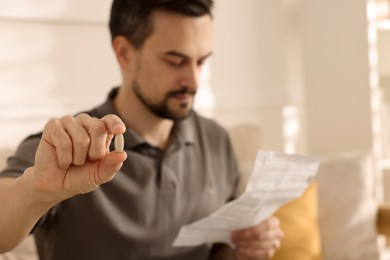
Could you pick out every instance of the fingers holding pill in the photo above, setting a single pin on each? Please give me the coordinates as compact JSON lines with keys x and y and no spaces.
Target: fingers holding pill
{"x":73,"y":156}
{"x":100,"y":133}
{"x":82,"y":138}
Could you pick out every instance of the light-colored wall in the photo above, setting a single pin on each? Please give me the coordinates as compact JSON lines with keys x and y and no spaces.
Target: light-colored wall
{"x":384,"y":52}
{"x":56,"y":59}
{"x":384,"y":63}
{"x":337,"y":84}
{"x":309,"y":55}
{"x":248,"y":69}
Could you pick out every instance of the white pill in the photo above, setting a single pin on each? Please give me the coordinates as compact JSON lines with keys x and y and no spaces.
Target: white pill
{"x":119,"y":143}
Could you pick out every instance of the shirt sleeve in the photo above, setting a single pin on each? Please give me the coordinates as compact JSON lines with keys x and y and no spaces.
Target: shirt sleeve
{"x":23,"y":157}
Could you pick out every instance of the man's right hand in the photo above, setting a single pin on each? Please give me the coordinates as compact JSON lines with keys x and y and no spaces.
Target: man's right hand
{"x":73,"y":156}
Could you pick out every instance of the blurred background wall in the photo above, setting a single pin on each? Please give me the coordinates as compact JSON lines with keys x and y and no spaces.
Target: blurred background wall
{"x":312,"y":75}
{"x":55,"y":59}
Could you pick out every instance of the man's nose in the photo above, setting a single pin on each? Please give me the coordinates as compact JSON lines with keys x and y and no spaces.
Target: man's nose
{"x":190,"y":77}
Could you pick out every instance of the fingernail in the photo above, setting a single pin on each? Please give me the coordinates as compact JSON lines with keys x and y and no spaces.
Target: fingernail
{"x":118,"y":127}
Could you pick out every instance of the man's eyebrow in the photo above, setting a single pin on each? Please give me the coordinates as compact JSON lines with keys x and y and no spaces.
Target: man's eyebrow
{"x":184,"y":56}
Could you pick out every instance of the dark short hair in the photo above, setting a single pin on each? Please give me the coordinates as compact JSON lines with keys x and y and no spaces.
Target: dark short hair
{"x":131,"y":18}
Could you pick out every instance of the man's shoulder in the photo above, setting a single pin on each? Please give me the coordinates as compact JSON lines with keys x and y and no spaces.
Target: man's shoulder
{"x":104,"y":108}
{"x":209,"y":123}
{"x":211,"y":129}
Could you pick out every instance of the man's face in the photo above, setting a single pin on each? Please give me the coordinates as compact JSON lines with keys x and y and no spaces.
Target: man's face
{"x":167,"y":66}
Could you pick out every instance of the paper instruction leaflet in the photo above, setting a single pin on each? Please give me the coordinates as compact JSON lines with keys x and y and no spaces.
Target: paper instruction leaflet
{"x":276,"y":179}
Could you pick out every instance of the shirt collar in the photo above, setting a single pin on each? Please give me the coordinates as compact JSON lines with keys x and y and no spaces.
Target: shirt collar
{"x":184,"y":129}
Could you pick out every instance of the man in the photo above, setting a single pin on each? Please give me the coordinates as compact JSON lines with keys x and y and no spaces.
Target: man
{"x":83,"y":201}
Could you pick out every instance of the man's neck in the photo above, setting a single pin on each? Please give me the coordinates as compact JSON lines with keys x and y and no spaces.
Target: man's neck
{"x":155,"y":130}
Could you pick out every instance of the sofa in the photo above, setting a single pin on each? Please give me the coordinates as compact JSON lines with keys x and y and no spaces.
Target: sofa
{"x":335,"y":219}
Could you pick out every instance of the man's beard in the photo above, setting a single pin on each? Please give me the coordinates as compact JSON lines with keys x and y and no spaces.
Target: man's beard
{"x":162,"y":110}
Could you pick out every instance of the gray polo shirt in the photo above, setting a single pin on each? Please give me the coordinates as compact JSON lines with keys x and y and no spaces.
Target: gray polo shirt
{"x":139,"y":213}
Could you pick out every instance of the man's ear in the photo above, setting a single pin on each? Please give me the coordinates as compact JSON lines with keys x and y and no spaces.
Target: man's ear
{"x":124,"y":52}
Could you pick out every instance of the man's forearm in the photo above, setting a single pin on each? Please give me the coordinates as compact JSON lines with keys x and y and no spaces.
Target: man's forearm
{"x":20,"y":211}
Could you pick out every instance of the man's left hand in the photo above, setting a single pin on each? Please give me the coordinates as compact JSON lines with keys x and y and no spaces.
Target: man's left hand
{"x":259,"y":242}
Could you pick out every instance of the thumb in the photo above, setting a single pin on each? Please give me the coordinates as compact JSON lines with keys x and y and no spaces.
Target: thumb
{"x":110,"y":165}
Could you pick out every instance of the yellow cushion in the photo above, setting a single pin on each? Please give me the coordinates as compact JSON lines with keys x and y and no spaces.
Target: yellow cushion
{"x":299,"y":221}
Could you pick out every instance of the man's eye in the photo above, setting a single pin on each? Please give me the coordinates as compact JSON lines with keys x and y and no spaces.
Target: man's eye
{"x":176,"y":63}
